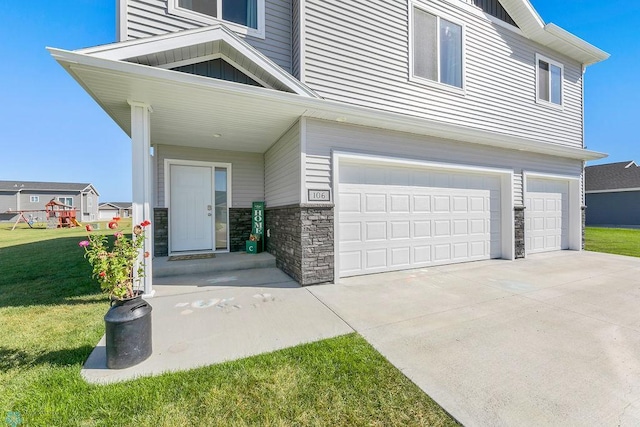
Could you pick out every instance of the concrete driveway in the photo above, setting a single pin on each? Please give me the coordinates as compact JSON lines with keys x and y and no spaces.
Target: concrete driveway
{"x":550,"y":340}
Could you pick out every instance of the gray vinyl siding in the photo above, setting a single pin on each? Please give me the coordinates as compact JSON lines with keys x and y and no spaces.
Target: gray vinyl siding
{"x":617,"y":209}
{"x":247,"y":171}
{"x":282,"y":163}
{"x":324,"y":137}
{"x":358,"y":52}
{"x":8,"y":201}
{"x":149,"y":18}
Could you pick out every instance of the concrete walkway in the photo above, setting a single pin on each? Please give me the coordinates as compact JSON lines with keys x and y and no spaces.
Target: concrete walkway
{"x":204,"y":319}
{"x":550,"y":340}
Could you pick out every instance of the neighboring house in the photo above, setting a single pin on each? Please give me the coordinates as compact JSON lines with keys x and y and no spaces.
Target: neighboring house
{"x":33,"y":196}
{"x":382,"y":135}
{"x":612,"y":194}
{"x":109,"y":210}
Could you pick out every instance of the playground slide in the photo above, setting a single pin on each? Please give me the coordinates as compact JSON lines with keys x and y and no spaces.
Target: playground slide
{"x":75,"y":222}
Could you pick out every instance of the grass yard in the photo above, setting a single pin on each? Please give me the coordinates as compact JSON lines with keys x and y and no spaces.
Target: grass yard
{"x":617,"y":241}
{"x":51,"y":317}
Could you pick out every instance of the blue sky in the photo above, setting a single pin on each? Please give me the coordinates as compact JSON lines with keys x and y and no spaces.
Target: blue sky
{"x":53,"y":131}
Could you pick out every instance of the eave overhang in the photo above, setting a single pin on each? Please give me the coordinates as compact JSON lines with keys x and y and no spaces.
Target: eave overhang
{"x":191,"y":110}
{"x":551,"y":35}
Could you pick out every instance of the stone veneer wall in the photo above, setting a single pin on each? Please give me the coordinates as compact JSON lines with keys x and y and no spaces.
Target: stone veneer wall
{"x":239,"y":228}
{"x":519,"y":231}
{"x":160,"y":232}
{"x":301,"y":239}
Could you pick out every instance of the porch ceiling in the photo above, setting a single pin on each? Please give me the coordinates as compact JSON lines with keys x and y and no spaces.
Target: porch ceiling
{"x":191,"y":115}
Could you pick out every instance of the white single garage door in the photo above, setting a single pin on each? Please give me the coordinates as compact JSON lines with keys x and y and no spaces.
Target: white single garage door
{"x":393,"y":218}
{"x":546,"y":215}
{"x":107,"y":213}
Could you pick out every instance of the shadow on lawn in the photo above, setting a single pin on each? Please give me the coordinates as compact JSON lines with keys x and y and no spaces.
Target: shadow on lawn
{"x":48,"y":272}
{"x":11,"y":358}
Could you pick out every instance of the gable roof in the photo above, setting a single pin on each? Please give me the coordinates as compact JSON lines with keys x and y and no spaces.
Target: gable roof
{"x":613,"y":176}
{"x":551,"y":35}
{"x":44,"y":186}
{"x":115,"y":205}
{"x":198,"y":45}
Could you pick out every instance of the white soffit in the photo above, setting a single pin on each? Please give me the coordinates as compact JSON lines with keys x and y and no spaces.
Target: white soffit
{"x":193,"y":43}
{"x":187,"y":110}
{"x":551,"y":35}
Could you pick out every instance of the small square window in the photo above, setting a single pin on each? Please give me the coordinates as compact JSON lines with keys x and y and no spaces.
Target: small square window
{"x":34,"y":199}
{"x":549,"y":80}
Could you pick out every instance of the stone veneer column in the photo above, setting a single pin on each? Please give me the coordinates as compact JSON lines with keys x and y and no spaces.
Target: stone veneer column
{"x":301,"y":239}
{"x":519,"y":231}
{"x":317,"y":244}
{"x":160,"y":232}
{"x":239,"y":228}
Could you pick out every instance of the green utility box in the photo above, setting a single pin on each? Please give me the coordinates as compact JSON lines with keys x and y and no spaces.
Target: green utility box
{"x":255,"y":244}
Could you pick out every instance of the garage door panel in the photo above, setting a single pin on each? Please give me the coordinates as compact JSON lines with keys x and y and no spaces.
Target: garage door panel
{"x":350,"y":231}
{"x":400,"y":256}
{"x":350,"y":202}
{"x":421,"y":229}
{"x":400,"y":203}
{"x":409,"y":226}
{"x":400,"y":230}
{"x":375,"y":231}
{"x":441,"y":204}
{"x":376,"y":203}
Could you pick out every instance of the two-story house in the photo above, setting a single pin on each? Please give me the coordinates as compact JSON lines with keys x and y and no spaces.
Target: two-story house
{"x":382,"y":135}
{"x":16,"y":196}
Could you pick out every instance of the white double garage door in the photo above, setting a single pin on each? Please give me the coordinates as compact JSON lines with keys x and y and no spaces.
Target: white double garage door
{"x":395,"y":218}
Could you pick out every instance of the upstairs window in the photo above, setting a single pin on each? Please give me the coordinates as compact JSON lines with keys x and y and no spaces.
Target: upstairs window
{"x":549,"y":80}
{"x":241,"y":14}
{"x":34,"y":199}
{"x":66,"y":200}
{"x":437,"y":48}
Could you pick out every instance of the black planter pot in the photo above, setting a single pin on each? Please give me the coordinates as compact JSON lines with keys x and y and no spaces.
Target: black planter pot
{"x":128,"y":332}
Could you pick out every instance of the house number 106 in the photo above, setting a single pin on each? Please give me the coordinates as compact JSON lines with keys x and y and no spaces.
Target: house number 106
{"x":319,"y":196}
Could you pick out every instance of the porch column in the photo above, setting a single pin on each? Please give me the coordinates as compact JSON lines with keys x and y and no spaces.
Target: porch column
{"x":142,"y":182}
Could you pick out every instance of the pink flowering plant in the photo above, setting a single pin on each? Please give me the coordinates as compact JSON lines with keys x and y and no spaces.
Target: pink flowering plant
{"x":113,"y":264}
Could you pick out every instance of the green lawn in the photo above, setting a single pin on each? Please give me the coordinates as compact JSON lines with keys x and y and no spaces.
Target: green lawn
{"x":618,"y":241}
{"x":51,"y":317}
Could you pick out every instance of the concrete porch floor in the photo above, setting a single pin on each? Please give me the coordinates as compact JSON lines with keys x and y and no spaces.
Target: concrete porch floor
{"x":208,"y":318}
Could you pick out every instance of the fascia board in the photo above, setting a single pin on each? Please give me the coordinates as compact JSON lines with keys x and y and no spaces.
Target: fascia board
{"x":358,"y":115}
{"x":596,"y":54}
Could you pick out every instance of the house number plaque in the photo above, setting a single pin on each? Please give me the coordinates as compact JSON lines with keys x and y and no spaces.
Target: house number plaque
{"x":319,"y":195}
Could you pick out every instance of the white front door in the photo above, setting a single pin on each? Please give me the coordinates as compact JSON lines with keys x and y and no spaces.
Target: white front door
{"x":546,"y":215}
{"x":191,"y":213}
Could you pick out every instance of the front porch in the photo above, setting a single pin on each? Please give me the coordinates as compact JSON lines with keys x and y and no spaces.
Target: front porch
{"x":200,"y":319}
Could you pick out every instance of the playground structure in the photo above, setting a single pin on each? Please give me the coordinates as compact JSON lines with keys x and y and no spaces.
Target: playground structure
{"x":60,"y":215}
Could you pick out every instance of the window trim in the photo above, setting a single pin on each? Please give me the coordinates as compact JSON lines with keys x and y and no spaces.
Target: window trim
{"x":540,"y":57}
{"x":34,"y":199}
{"x":174,"y":9}
{"x":423,"y":80}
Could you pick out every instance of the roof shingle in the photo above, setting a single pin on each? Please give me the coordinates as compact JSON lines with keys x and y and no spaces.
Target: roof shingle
{"x":612,"y":176}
